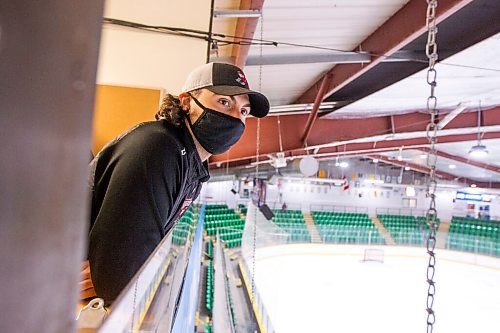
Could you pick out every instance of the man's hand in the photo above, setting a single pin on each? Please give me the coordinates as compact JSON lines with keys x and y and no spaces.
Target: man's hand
{"x":86,"y":285}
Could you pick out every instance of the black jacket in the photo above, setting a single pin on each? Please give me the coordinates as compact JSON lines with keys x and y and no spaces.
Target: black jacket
{"x":141,"y":183}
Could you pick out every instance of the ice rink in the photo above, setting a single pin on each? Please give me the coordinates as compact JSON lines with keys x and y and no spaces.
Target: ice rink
{"x":326,"y":288}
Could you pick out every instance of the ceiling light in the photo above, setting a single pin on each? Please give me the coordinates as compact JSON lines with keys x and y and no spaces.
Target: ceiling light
{"x":422,"y":156}
{"x":473,"y":185}
{"x":452,"y":166}
{"x":375,"y":160}
{"x":400,"y":158}
{"x":407,"y":168}
{"x":478,"y":150}
{"x":343,"y":164}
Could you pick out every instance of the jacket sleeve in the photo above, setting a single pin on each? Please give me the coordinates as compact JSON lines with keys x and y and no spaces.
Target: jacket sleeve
{"x":137,"y":188}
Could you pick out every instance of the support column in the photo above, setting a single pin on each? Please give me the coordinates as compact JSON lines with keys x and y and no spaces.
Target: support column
{"x":48,"y":62}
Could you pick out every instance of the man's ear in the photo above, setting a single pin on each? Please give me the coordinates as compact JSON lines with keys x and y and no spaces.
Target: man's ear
{"x":184,"y":99}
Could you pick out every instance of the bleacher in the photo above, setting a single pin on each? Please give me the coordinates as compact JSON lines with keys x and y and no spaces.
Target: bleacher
{"x":210,"y":284}
{"x":226,"y":221}
{"x":242,"y":208}
{"x":292,"y":222}
{"x":186,"y":225}
{"x":406,"y":229}
{"x":352,"y":228}
{"x":474,"y":235}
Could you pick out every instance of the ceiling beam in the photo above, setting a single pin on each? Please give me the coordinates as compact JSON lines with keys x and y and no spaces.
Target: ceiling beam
{"x":451,"y":115}
{"x":439,"y":173}
{"x":399,"y":30}
{"x":413,"y":166}
{"x":314,"y":112}
{"x":331,"y":135}
{"x":245,"y":27}
{"x":349,"y":148}
{"x":332,"y":57}
{"x":461,"y":159}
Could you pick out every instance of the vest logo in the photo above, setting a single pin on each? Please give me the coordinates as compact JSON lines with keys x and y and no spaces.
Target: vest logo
{"x":183,"y":151}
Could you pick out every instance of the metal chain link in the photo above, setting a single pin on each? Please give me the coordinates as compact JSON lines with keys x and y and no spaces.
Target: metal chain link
{"x":432,"y":128}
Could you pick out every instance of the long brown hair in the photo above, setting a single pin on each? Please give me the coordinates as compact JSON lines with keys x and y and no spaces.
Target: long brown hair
{"x":171,"y":109}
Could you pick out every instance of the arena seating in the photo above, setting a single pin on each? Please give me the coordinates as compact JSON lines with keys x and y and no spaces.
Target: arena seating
{"x":292,"y":222}
{"x":406,"y":229}
{"x":210,"y":285}
{"x":229,"y":224}
{"x":185,"y":227}
{"x":474,"y":235}
{"x":340,"y":227}
{"x":243,"y":209}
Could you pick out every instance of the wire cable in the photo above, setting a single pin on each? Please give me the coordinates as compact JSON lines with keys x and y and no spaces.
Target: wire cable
{"x":221,"y":40}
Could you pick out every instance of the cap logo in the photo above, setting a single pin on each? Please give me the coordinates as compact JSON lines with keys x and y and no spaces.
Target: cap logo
{"x":241,"y":78}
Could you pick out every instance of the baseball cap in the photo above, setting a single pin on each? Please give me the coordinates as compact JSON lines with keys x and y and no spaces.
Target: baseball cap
{"x":228,"y":80}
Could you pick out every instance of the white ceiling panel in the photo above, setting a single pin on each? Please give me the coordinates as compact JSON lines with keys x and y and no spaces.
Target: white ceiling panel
{"x":338,"y":25}
{"x":283,"y":83}
{"x":470,"y":77}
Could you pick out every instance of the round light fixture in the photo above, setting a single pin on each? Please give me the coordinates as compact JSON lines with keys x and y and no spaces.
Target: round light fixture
{"x":478,"y":151}
{"x":308,"y":166}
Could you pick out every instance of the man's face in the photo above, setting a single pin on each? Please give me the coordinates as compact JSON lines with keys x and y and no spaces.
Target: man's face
{"x":235,"y":106}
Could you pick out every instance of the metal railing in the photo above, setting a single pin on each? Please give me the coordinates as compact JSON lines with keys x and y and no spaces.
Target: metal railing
{"x":134,"y":310}
{"x":401,"y":211}
{"x":338,"y":208}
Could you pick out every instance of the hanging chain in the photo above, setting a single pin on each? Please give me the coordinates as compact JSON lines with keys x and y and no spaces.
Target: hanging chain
{"x":279,"y":132}
{"x":257,"y":152}
{"x":432,"y":128}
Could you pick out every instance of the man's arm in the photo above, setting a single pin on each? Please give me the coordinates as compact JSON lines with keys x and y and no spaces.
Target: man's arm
{"x":138,"y":190}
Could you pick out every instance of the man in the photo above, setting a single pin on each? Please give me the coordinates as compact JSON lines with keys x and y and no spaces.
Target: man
{"x":144,"y":180}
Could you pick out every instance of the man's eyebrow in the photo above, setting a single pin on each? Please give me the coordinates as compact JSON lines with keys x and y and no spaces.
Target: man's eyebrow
{"x":234,"y":100}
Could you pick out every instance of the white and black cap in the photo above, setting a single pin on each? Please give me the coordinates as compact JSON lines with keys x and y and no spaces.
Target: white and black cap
{"x":228,"y":80}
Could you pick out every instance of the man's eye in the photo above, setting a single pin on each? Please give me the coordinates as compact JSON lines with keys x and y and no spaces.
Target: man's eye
{"x":245,"y":112}
{"x":224,"y":102}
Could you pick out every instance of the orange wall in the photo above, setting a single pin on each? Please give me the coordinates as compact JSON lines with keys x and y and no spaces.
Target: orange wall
{"x":119,"y":108}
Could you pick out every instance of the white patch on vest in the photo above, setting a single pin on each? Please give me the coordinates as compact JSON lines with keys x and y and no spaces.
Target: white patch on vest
{"x":185,"y":206}
{"x":183,"y":152}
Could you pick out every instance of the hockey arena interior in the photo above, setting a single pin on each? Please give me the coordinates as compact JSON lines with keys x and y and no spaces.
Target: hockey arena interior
{"x":367,"y":200}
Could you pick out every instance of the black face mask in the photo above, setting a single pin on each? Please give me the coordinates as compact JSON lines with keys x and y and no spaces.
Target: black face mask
{"x":216,"y":131}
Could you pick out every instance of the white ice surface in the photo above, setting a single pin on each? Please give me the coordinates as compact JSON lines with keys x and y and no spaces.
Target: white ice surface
{"x":325,"y":288}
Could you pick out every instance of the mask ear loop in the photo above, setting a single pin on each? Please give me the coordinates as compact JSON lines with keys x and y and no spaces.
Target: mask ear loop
{"x":185,"y":111}
{"x":197,"y":102}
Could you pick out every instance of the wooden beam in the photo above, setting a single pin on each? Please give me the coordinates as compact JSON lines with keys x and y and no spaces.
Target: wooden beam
{"x":245,"y":27}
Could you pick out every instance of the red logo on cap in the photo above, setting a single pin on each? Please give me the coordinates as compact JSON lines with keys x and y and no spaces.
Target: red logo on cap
{"x":242,"y":79}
